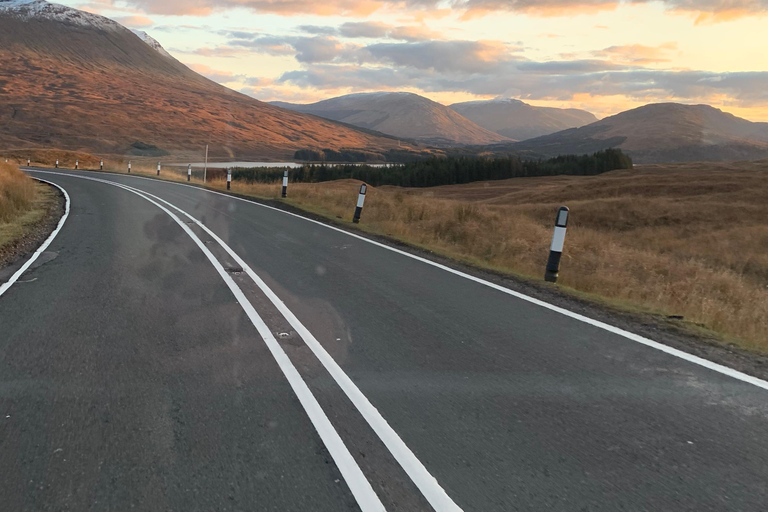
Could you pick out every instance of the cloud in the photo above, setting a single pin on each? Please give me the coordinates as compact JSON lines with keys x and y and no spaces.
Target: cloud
{"x":305,"y":49}
{"x":318,"y":30}
{"x":492,"y":69}
{"x":371,"y":29}
{"x":463,"y":56}
{"x":638,"y":54}
{"x":705,"y":10}
{"x":134,"y":21}
{"x":216,"y":75}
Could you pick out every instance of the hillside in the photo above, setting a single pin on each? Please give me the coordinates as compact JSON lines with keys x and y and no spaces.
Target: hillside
{"x":74,"y":80}
{"x":520,"y":121}
{"x":401,"y":114}
{"x":662,"y":132}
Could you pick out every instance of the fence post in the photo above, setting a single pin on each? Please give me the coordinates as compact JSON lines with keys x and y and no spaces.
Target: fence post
{"x":360,"y":203}
{"x":285,"y":183}
{"x":229,"y":177}
{"x":556,"y":250}
{"x":189,"y":172}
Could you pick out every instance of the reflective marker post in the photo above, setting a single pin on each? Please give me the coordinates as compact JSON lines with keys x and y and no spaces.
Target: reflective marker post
{"x":229,"y":177}
{"x":28,"y":162}
{"x":360,"y":203}
{"x":189,"y":172}
{"x":101,"y":164}
{"x":57,"y":164}
{"x":77,"y":164}
{"x":158,"y":168}
{"x":556,"y":250}
{"x":129,"y":166}
{"x":285,"y":183}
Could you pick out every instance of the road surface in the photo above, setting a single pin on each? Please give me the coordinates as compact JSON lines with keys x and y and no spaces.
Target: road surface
{"x":179,"y":349}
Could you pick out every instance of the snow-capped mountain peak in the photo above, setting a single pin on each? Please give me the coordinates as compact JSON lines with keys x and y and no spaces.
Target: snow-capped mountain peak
{"x":40,"y":9}
{"x":152,"y":42}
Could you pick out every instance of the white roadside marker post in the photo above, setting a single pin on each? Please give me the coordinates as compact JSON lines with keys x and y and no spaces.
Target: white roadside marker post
{"x":158,"y":168}
{"x":77,"y":164}
{"x":101,"y":164}
{"x":229,"y":177}
{"x":129,"y":167}
{"x":28,"y":162}
{"x":189,"y":172}
{"x":285,"y":183}
{"x":57,"y":163}
{"x":556,"y":250}
{"x":360,"y":203}
{"x":205,"y":168}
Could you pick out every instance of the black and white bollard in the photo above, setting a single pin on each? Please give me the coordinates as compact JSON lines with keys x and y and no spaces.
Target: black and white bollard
{"x":129,"y":167}
{"x":77,"y":164}
{"x":28,"y":162}
{"x":189,"y":172}
{"x":229,"y":178}
{"x":556,"y":250}
{"x":360,"y":203}
{"x":158,"y":168}
{"x":101,"y":164}
{"x":57,"y":164}
{"x":285,"y":183}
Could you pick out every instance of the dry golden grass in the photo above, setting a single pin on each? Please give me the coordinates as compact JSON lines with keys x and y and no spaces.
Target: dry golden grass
{"x":688,"y":239}
{"x":48,"y":157}
{"x":17,"y":192}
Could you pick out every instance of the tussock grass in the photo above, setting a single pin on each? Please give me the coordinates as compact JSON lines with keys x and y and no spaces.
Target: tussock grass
{"x":17,"y":192}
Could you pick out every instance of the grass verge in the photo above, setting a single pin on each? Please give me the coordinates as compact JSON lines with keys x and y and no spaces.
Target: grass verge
{"x":25,"y":208}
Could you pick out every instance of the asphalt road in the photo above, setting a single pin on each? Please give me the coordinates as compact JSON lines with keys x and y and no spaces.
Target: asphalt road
{"x":133,"y":375}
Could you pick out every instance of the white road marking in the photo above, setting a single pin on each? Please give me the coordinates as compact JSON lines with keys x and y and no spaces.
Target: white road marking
{"x":361,"y":488}
{"x":427,"y":484}
{"x":15,"y":277}
{"x":730,"y":372}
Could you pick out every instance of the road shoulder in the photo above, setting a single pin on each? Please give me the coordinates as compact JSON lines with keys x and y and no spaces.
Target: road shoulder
{"x":22,"y":237}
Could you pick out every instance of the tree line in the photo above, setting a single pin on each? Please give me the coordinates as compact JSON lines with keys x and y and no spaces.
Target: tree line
{"x":452,"y":170}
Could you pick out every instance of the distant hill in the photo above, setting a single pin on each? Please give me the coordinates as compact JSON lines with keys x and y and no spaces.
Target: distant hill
{"x":520,"y":121}
{"x":661,"y":132}
{"x":401,"y":114}
{"x":74,"y":80}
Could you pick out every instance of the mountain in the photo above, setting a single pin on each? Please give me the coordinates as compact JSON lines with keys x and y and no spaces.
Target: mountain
{"x":520,"y":121}
{"x":662,"y":132}
{"x":401,"y":114}
{"x":74,"y":80}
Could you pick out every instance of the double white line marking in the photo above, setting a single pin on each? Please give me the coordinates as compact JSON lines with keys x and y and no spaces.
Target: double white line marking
{"x":353,"y":475}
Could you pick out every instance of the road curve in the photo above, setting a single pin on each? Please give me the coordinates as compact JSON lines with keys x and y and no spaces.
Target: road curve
{"x":133,"y":375}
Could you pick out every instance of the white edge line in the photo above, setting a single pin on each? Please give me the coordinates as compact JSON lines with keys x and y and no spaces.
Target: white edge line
{"x":426,"y":483}
{"x":15,"y":277}
{"x":359,"y":486}
{"x":725,"y":370}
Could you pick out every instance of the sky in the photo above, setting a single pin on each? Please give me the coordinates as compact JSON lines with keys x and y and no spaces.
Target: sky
{"x":599,"y":55}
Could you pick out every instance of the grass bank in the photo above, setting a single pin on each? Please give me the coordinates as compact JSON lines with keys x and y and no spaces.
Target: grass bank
{"x":24,"y":205}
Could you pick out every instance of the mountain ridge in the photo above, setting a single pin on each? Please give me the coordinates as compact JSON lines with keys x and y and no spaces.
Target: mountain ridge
{"x":518,"y":120}
{"x":661,"y":132}
{"x":78,"y":81}
{"x":402,"y":114}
